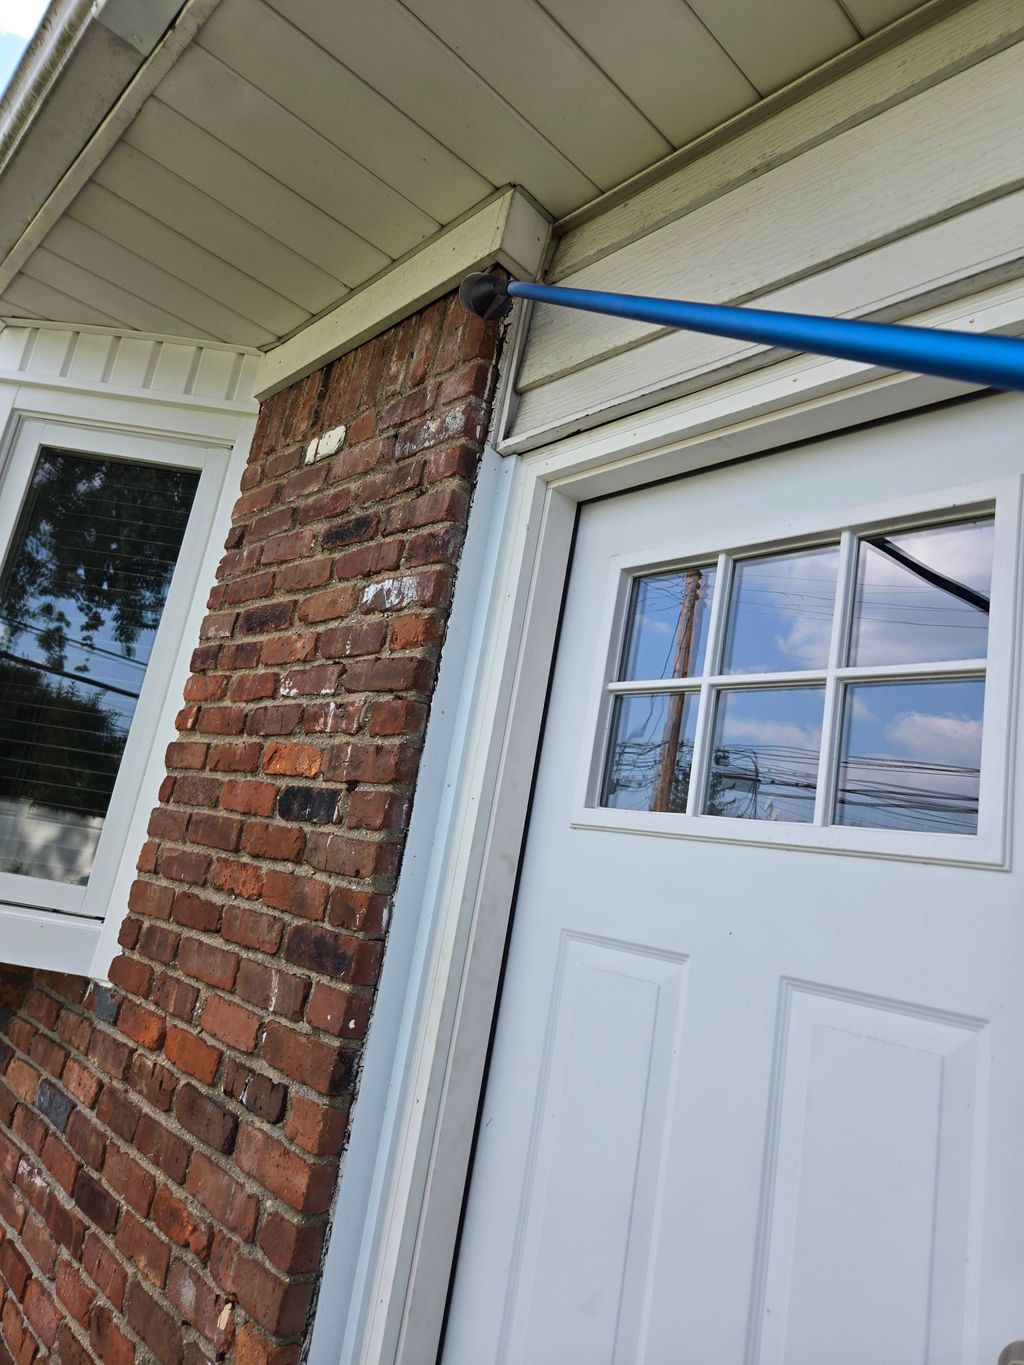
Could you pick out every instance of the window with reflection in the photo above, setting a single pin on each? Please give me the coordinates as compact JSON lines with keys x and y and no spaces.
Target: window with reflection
{"x":839,"y":683}
{"x":81,"y":595}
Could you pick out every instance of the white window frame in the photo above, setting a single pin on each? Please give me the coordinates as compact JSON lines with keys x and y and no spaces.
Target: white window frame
{"x":48,"y":924}
{"x":987,"y":848}
{"x":396,"y":1219}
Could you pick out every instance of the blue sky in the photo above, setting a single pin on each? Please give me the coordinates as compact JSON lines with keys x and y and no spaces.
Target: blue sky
{"x":18,"y":21}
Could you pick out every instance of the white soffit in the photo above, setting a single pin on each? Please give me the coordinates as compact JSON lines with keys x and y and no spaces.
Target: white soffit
{"x":272,"y":157}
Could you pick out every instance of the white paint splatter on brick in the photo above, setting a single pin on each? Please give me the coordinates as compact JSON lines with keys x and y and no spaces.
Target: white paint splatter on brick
{"x":392,"y":592}
{"x":327,"y":444}
{"x":289,"y":688}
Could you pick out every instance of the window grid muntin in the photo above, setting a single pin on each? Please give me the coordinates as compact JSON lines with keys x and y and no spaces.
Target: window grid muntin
{"x":836,"y":677}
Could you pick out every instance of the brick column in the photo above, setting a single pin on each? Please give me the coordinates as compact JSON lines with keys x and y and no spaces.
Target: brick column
{"x":169,"y":1148}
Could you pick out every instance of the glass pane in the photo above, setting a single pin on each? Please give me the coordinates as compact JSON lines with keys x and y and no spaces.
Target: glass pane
{"x":923,"y":596}
{"x":651,"y":752}
{"x":910,"y":756}
{"x":80,"y":600}
{"x":780,"y":611}
{"x":668,"y":629}
{"x":764,"y":762}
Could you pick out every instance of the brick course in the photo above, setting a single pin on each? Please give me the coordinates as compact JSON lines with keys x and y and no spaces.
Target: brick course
{"x":169,"y":1144}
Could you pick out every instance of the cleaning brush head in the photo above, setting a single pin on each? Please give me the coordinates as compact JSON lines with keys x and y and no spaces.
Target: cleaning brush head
{"x":485,"y":295}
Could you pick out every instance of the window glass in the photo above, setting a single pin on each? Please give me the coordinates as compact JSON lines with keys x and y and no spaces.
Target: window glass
{"x":651,"y":752}
{"x":668,"y":634}
{"x":780,"y":612}
{"x":923,"y":596}
{"x":81,"y":596}
{"x":764,"y":760}
{"x":911,"y":756}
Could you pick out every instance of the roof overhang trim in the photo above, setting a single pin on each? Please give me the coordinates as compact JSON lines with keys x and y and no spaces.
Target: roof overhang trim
{"x":509,"y":229}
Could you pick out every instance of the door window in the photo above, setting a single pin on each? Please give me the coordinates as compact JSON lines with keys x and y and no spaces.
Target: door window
{"x":835,"y":684}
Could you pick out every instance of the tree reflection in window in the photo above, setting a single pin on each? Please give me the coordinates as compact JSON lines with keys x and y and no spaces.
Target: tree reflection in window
{"x":81,"y":596}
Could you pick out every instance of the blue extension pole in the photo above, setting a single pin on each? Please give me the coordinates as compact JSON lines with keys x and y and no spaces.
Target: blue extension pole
{"x":994,"y":361}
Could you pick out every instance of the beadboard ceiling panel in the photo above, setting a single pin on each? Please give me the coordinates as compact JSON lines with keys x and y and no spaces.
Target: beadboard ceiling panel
{"x":297,"y":148}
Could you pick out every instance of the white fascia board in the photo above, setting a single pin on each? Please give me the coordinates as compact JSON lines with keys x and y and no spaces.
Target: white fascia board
{"x":509,"y":230}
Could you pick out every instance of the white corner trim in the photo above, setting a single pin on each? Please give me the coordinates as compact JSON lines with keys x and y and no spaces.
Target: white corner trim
{"x":508,"y":230}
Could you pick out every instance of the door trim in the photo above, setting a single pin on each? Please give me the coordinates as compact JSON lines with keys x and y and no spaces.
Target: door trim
{"x":390,"y":1260}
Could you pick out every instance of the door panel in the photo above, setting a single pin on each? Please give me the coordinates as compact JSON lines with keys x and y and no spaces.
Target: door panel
{"x":756,"y":1087}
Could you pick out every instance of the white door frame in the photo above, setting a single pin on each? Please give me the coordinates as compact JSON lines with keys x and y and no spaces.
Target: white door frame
{"x":388,"y":1268}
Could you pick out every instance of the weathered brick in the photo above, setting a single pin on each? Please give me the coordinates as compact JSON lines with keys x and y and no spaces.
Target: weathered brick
{"x":131,"y":975}
{"x":162,"y":1147}
{"x":301,"y":1183}
{"x":205,"y":1118}
{"x":105,"y":1271}
{"x":74,"y":1291}
{"x":313,"y":805}
{"x":351,"y":641}
{"x":118,"y":1110}
{"x":215,"y":831}
{"x":201,"y":959}
{"x":338,"y":1010}
{"x":250,"y":798}
{"x":155,"y":1326}
{"x":398,"y":717}
{"x":176,"y":1221}
{"x":235,"y":758}
{"x":144,"y":1026}
{"x":196,"y":912}
{"x":274,"y":841}
{"x":109,"y":1343}
{"x":146,"y":1250}
{"x":147,"y":898}
{"x":128,"y":1178}
{"x":231,"y":1023}
{"x":53,"y":1104}
{"x":278,"y":719}
{"x":97,"y":1203}
{"x":295,"y":760}
{"x":229,"y":1202}
{"x":316,"y":1127}
{"x":276,"y":1303}
{"x":272,"y":989}
{"x":192,"y":1054}
{"x":305,"y":896}
{"x":237,"y":879}
{"x":260,"y":1095}
{"x":324,"y":1067}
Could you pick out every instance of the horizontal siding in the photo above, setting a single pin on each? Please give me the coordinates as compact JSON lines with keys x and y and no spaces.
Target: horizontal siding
{"x":871,"y":218}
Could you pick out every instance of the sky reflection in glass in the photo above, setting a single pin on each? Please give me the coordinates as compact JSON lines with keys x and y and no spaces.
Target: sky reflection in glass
{"x":911,"y":755}
{"x":922,"y":596}
{"x":780,"y":614}
{"x":764,"y":763}
{"x":669,"y":633}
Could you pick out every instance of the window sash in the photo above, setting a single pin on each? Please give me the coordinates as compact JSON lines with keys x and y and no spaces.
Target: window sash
{"x":836,"y":677}
{"x":92,"y":901}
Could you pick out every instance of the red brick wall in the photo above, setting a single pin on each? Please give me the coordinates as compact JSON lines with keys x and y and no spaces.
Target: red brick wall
{"x":169,"y":1147}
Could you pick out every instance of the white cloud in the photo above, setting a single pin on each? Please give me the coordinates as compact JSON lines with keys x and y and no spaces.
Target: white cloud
{"x":20,"y":18}
{"x":774,"y":732}
{"x":861,"y":710}
{"x":937,"y":739}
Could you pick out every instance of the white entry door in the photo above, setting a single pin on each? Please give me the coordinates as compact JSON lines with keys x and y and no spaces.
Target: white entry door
{"x":757,"y":1088}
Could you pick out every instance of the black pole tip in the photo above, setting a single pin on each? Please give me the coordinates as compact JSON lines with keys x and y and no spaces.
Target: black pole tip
{"x":485,"y":295}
